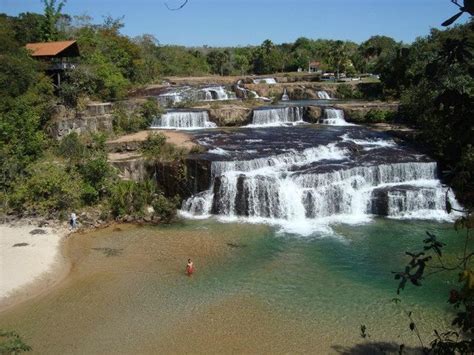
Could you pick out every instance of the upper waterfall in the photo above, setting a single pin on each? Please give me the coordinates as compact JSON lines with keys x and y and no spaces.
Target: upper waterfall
{"x":188,"y":93}
{"x":183,"y":120}
{"x":323,"y":95}
{"x":269,"y":81}
{"x":278,"y":116}
{"x":334,"y":117}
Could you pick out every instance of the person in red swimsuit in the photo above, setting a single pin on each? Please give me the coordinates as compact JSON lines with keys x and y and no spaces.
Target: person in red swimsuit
{"x":190,"y":268}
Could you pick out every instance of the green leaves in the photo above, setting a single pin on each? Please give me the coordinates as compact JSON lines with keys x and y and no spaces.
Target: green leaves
{"x":431,"y":243}
{"x":12,"y":343}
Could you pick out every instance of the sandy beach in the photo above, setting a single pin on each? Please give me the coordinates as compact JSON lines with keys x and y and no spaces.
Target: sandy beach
{"x":30,"y":260}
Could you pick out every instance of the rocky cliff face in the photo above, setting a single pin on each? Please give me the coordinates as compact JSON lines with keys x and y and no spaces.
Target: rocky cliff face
{"x":94,"y":118}
{"x":231,"y":115}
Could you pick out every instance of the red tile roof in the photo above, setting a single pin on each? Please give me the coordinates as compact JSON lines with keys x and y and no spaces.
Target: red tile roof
{"x":48,"y":49}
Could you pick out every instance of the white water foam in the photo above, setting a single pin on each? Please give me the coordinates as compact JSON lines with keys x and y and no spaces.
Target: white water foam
{"x":370,"y":144}
{"x":275,"y":191}
{"x":335,"y":117}
{"x":269,"y":81}
{"x":184,"y":120}
{"x":280,"y":116}
{"x":323,"y":95}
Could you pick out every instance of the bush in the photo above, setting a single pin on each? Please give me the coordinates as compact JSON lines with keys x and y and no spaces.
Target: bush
{"x":96,"y":172}
{"x":72,"y":148}
{"x":150,"y":110}
{"x":371,"y":91}
{"x":165,"y":208}
{"x":12,"y":343}
{"x":48,"y":189}
{"x":155,"y":148}
{"x":89,"y":194}
{"x":379,"y":116}
{"x":128,"y":121}
{"x":346,"y":91}
{"x":131,"y":198}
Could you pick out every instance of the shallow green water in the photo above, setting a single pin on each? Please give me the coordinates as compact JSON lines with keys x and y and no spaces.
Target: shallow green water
{"x":254,"y":289}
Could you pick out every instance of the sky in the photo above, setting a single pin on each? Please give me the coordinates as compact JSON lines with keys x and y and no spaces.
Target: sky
{"x":250,"y":22}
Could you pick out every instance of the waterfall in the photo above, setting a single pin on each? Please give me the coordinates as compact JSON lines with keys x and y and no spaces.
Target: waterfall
{"x":253,"y":94}
{"x":269,"y":81}
{"x":334,"y":117}
{"x":317,"y":178}
{"x":267,"y":189}
{"x":323,"y":95}
{"x":183,"y":120}
{"x":285,"y":96}
{"x":278,"y":116}
{"x":188,"y":93}
{"x":217,"y":93}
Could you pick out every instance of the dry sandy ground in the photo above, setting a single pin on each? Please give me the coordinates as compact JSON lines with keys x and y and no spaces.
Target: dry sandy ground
{"x":28,"y":260}
{"x":181,"y":139}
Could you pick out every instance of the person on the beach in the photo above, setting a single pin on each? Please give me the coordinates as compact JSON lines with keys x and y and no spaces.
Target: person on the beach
{"x":73,"y":221}
{"x":189,"y":268}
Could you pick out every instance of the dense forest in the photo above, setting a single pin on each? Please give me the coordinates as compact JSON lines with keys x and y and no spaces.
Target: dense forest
{"x":431,"y":77}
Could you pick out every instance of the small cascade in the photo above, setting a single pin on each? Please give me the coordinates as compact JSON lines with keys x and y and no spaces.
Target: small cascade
{"x":269,"y":81}
{"x":187,"y":93}
{"x":278,"y":116}
{"x":217,"y":93}
{"x":183,"y":120}
{"x":323,"y":95}
{"x":170,"y":99}
{"x":285,"y":96}
{"x":334,"y":117}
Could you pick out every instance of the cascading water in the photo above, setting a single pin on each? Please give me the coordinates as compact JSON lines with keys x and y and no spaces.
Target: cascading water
{"x":323,"y":95}
{"x":285,"y":96}
{"x":183,"y":120}
{"x":269,"y":81}
{"x":187,"y":93}
{"x":334,"y":117}
{"x":278,"y":116}
{"x":217,"y":93}
{"x":334,"y":182}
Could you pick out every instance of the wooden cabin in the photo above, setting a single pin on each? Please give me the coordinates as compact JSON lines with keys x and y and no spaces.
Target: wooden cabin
{"x":314,"y":67}
{"x":58,"y":56}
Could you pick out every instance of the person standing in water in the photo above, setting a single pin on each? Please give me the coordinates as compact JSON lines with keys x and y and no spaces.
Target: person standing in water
{"x":190,"y":268}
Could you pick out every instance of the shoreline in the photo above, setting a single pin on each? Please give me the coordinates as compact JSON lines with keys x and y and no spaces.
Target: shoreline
{"x":30,"y":263}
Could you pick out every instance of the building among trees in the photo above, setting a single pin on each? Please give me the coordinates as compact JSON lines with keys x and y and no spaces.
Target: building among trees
{"x":57,"y":57}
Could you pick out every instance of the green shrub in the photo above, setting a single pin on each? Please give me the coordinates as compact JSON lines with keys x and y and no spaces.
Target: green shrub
{"x":72,"y":148}
{"x":155,"y":148}
{"x":165,"y":208}
{"x":131,"y":197}
{"x":346,"y":91}
{"x":129,"y":121}
{"x":371,"y":91}
{"x":89,"y":195}
{"x":11,"y":343}
{"x":150,"y":110}
{"x":97,"y":172}
{"x":49,"y":188}
{"x":379,"y":116}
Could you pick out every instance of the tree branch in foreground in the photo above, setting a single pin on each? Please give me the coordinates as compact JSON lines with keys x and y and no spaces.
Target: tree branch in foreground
{"x":176,"y":8}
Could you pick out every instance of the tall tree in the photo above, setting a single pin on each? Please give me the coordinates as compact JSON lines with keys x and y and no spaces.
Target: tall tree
{"x":52,"y":14}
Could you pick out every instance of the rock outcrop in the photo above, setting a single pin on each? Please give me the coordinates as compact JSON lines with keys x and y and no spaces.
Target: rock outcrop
{"x":96,"y":117}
